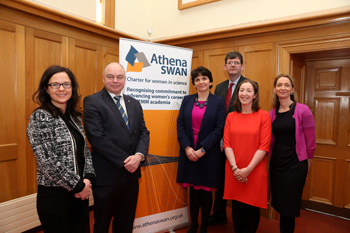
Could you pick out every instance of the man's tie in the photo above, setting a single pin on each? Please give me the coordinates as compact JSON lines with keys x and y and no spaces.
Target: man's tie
{"x":121,"y":110}
{"x":228,"y":96}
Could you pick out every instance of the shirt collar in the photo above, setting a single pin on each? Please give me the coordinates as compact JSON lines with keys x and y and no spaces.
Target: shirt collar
{"x":235,"y":82}
{"x":112,"y":95}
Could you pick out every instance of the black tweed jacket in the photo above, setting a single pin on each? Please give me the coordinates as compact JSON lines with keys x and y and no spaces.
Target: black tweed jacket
{"x":53,"y":147}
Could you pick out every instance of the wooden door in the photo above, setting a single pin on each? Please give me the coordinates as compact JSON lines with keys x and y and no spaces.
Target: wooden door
{"x":328,"y":96}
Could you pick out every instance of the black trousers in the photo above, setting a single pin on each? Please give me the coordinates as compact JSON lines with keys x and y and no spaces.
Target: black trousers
{"x":117,"y":201}
{"x":59,"y":211}
{"x":245,"y":217}
{"x":219,"y":209}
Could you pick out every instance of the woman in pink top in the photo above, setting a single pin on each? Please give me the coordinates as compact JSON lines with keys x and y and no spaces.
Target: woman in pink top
{"x":200,"y":126}
{"x":292,"y":148}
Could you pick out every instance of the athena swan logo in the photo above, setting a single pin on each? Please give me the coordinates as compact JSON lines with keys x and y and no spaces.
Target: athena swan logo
{"x":136,"y":61}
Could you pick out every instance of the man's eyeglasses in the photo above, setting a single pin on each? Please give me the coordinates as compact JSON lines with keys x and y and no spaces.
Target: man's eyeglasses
{"x":58,"y":85}
{"x":233,"y":62}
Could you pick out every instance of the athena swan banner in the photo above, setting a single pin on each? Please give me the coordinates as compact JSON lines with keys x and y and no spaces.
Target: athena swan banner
{"x":158,"y":76}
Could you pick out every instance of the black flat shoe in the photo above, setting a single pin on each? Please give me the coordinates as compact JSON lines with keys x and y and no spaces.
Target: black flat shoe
{"x":193,"y":229}
{"x":216,"y":221}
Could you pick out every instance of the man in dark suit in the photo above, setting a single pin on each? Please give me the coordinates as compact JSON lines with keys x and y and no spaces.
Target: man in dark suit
{"x":227,"y":89}
{"x":119,"y":139}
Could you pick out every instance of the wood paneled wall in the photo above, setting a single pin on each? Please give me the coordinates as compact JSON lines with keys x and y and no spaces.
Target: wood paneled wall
{"x":268,"y":54}
{"x":32,"y":38}
{"x":12,"y":124}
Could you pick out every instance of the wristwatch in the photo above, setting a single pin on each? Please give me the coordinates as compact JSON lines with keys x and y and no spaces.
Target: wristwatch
{"x":203,"y":151}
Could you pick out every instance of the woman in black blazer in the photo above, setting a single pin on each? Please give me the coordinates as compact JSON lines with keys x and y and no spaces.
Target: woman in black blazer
{"x":200,"y":126}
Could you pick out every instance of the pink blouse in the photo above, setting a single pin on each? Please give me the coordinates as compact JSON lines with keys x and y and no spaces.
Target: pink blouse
{"x":197,"y":117}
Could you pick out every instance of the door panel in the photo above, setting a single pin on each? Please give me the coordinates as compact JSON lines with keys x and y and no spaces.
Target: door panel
{"x":260,"y":65}
{"x":323,"y":190}
{"x":347,"y":187}
{"x":326,"y":114}
{"x":85,"y":60}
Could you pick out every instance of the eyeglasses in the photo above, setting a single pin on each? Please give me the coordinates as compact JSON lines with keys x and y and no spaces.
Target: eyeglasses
{"x":233,"y":62}
{"x":58,"y":85}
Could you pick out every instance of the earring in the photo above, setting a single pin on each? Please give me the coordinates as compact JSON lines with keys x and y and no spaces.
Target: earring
{"x":291,"y":93}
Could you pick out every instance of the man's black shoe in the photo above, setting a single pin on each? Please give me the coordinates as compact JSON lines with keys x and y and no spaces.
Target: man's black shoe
{"x":216,"y":221}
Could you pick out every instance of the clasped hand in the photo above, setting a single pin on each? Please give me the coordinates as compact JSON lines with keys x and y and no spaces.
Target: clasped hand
{"x":241,"y":175}
{"x":192,"y":154}
{"x":84,"y":194}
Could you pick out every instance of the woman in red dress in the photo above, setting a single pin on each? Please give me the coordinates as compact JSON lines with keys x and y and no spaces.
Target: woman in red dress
{"x":247,"y":138}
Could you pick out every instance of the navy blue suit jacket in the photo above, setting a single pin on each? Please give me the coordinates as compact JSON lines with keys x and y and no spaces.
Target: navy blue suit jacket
{"x":206,"y":170}
{"x":110,"y":139}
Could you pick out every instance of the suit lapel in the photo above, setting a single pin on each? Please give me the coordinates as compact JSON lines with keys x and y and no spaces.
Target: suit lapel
{"x":112,"y":105}
{"x":224,"y":90}
{"x":231,"y":107}
{"x":188,"y":114}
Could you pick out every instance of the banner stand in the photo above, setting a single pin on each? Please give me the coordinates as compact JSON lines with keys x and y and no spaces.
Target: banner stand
{"x":158,"y":76}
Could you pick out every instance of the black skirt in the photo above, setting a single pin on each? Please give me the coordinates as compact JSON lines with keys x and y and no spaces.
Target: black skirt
{"x":59,"y":211}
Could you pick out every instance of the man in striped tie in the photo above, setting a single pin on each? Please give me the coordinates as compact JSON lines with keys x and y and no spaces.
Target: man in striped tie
{"x":119,"y":139}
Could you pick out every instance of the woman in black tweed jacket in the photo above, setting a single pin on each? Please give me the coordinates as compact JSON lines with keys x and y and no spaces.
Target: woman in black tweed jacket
{"x":64,"y":165}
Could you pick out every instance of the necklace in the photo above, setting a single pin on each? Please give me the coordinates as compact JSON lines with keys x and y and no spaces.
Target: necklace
{"x":201,"y":105}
